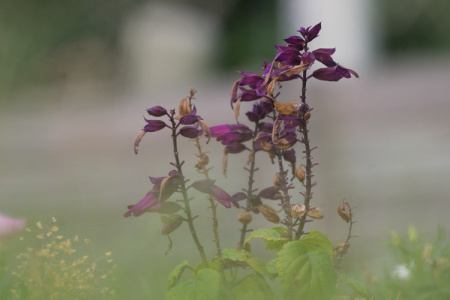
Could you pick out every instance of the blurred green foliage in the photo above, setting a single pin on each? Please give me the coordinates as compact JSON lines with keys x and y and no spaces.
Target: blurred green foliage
{"x":31,"y":32}
{"x":416,"y":25}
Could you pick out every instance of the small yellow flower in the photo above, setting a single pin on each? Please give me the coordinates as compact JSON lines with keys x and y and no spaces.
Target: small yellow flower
{"x":39,"y":225}
{"x":108,"y":253}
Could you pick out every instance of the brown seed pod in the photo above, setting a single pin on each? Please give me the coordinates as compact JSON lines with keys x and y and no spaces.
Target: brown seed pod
{"x":269,"y":213}
{"x":315,"y":213}
{"x":298,"y":210}
{"x":300,"y":174}
{"x":245,"y":217}
{"x":343,"y":213}
{"x":277,"y":180}
{"x":307,"y":116}
{"x":342,"y":247}
{"x":183,"y":108}
{"x":285,"y":108}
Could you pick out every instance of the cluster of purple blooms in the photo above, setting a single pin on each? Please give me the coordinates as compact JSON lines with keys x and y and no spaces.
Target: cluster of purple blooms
{"x":275,"y":123}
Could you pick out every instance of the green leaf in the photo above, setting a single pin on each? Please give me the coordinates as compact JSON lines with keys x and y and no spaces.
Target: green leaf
{"x":273,"y":238}
{"x":253,"y":287}
{"x":357,"y":286}
{"x":244,"y":259}
{"x":305,"y":274}
{"x":205,"y":286}
{"x":175,"y":275}
{"x":271,"y":268}
{"x":315,"y":241}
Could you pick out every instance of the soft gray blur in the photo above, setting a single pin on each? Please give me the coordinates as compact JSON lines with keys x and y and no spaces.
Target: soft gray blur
{"x":66,"y":142}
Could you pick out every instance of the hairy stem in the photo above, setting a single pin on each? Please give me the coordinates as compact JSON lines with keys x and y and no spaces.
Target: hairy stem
{"x":251,"y":173}
{"x":187,"y":207}
{"x":308,"y":166}
{"x":211,"y":200}
{"x":286,"y":200}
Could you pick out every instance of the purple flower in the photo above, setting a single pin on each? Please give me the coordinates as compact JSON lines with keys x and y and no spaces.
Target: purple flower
{"x":287,"y":55}
{"x":189,"y":132}
{"x":10,"y":227}
{"x":190,"y":118}
{"x":310,"y":34}
{"x":154,"y":125}
{"x":289,"y":155}
{"x":208,"y":187}
{"x":335,"y":73}
{"x":157,"y":111}
{"x":148,"y":204}
{"x":324,"y":56}
{"x":270,"y":193}
{"x":163,"y":188}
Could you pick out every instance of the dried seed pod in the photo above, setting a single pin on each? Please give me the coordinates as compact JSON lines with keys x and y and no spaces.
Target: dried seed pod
{"x":277,"y":180}
{"x":183,"y":108}
{"x":315,"y":213}
{"x":245,"y":217}
{"x":269,"y":213}
{"x":342,"y":247}
{"x":266,"y":146}
{"x":307,"y":116}
{"x":298,"y":210}
{"x":285,"y":108}
{"x":300,"y":174}
{"x":237,"y":109}
{"x":343,"y":213}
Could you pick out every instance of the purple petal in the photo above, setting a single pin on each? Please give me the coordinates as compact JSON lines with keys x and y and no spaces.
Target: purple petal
{"x":235,"y":148}
{"x":223,"y":197}
{"x":327,"y":74}
{"x":270,"y":192}
{"x":252,"y":116}
{"x":189,"y":132}
{"x":289,"y":155}
{"x":188,"y":119}
{"x":147,"y":204}
{"x":157,"y":111}
{"x":204,"y":186}
{"x":239,"y":196}
{"x":266,"y":127}
{"x":312,"y":34}
{"x":154,"y":125}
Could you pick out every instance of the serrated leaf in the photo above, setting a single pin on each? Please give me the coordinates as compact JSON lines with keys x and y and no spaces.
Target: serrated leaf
{"x":315,"y":241}
{"x":175,"y":275}
{"x":205,"y":286}
{"x":304,"y":274}
{"x":273,"y":238}
{"x":253,"y":287}
{"x":271,"y":269}
{"x":244,"y":258}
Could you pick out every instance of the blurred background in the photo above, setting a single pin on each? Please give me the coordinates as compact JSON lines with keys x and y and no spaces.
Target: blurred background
{"x":77,"y":76}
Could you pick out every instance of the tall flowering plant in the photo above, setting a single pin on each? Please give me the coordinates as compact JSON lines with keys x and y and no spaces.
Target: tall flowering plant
{"x":277,"y":133}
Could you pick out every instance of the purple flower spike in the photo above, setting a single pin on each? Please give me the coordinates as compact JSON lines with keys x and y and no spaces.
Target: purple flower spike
{"x":157,"y":111}
{"x":189,"y":132}
{"x":154,"y":125}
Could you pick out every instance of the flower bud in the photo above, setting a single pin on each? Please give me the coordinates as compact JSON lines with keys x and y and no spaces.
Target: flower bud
{"x":171,"y":223}
{"x":245,"y":217}
{"x":300,"y":174}
{"x":298,"y":210}
{"x":343,"y":213}
{"x":315,"y":213}
{"x":277,"y":180}
{"x":269,"y":213}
